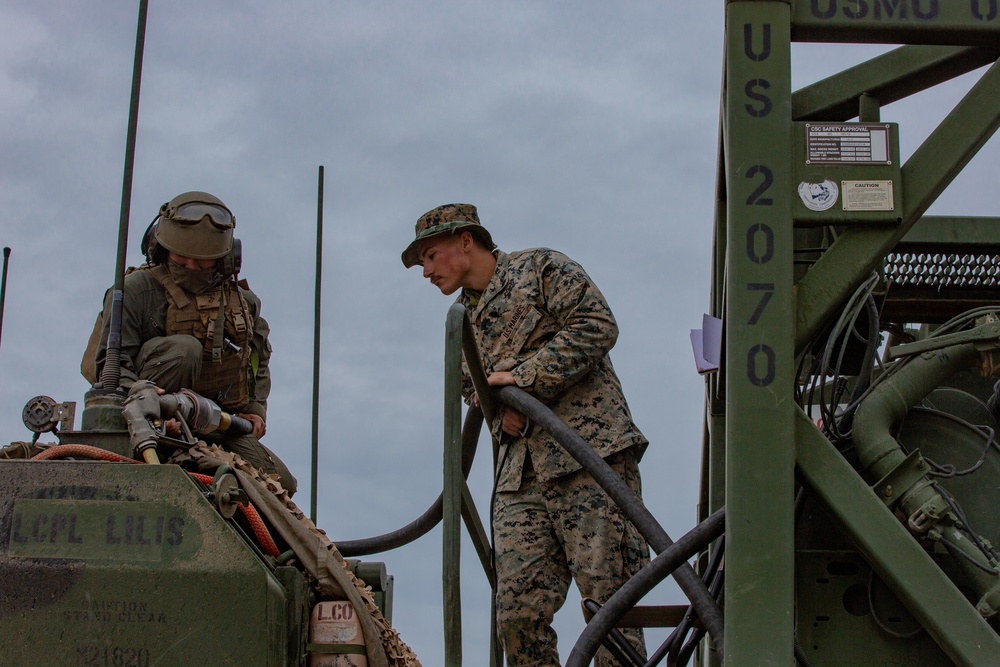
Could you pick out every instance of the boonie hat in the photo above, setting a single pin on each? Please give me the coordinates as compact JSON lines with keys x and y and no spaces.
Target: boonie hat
{"x":447,"y":218}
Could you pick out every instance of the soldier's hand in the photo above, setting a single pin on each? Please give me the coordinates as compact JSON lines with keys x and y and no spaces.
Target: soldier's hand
{"x":501,"y":379}
{"x":513,"y":422}
{"x":259,"y":425}
{"x":172,"y":428}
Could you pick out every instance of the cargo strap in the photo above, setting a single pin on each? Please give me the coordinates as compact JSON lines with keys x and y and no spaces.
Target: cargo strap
{"x":219,"y":334}
{"x":340,"y":649}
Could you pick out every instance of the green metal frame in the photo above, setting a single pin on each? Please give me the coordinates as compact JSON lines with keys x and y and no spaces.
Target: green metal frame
{"x":759,"y":303}
{"x":458,"y":503}
{"x":756,"y":438}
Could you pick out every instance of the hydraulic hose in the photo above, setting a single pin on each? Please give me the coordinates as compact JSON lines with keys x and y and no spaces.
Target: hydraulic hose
{"x":432,"y":517}
{"x":84,"y":451}
{"x":260,"y":530}
{"x":675,"y":645}
{"x":693,"y":587}
{"x":666,"y":563}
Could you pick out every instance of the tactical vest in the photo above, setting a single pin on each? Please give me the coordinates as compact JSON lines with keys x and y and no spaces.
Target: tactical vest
{"x":221,"y":319}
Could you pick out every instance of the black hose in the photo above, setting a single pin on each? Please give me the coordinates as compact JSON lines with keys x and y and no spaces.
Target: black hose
{"x":686,"y":651}
{"x":633,"y":508}
{"x":674,"y":644}
{"x":432,"y":517}
{"x":239,"y":426}
{"x":616,"y":644}
{"x":666,"y":563}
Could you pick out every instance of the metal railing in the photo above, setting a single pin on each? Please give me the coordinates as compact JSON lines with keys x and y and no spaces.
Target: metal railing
{"x":458,"y":503}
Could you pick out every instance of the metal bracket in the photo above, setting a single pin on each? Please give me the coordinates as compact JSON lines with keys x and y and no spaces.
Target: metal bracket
{"x":226,"y":493}
{"x":42,"y":414}
{"x":900,"y":479}
{"x":985,"y":333}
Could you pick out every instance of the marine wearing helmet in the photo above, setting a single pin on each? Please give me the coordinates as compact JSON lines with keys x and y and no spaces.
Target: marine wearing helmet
{"x":188,"y":322}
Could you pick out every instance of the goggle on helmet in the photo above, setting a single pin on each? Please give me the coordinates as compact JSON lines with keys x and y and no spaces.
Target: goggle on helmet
{"x":195,"y":224}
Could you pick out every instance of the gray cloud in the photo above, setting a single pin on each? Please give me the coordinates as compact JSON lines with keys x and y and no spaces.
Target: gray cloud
{"x":584,"y":126}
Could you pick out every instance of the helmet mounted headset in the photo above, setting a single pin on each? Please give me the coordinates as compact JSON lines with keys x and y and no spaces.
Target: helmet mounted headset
{"x":194,"y":224}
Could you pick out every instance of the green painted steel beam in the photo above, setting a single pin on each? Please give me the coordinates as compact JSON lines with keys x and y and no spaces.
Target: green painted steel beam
{"x":759,"y":437}
{"x":888,"y":78}
{"x":893,"y":553}
{"x":965,"y":22}
{"x":860,"y":250}
{"x":952,"y":231}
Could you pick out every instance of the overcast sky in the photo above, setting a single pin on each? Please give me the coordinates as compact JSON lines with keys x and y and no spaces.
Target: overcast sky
{"x":584,"y":126}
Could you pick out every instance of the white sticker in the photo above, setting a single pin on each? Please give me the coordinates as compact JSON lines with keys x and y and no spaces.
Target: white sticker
{"x":818,"y":196}
{"x":867,"y":195}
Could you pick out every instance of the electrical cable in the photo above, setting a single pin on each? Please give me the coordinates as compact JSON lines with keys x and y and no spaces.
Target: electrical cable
{"x":828,"y":357}
{"x":953,"y":549}
{"x":615,"y":643}
{"x":878,"y":621}
{"x":966,"y":527}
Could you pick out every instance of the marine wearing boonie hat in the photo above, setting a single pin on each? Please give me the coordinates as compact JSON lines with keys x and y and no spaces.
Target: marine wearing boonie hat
{"x":447,"y":218}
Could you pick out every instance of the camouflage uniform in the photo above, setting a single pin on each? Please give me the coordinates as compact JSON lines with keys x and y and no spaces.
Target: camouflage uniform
{"x":542,"y":318}
{"x":173,"y":362}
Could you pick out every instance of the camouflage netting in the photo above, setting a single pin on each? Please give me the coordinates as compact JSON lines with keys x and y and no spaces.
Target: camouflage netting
{"x":205,"y":457}
{"x":21,"y":450}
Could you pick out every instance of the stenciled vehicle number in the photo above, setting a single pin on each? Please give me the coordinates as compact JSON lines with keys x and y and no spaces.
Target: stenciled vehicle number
{"x":91,"y":655}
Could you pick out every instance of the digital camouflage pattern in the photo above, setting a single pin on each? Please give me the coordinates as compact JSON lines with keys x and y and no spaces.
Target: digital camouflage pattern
{"x":448,"y":218}
{"x":543,"y":319}
{"x":547,"y":532}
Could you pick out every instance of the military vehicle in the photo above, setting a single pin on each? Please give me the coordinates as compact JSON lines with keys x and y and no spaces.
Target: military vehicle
{"x":114,"y":554}
{"x":850,"y":460}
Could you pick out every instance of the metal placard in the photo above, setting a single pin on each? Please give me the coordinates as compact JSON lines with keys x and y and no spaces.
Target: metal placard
{"x":848,"y":143}
{"x":866,"y":195}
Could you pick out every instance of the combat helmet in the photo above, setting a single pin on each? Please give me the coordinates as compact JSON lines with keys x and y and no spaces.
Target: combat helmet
{"x":194,"y":224}
{"x":446,"y":219}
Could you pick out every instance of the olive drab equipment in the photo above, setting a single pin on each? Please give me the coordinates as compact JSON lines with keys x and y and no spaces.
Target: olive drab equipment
{"x":193,"y":224}
{"x":227,"y":340}
{"x":88,"y":365}
{"x":222,"y":320}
